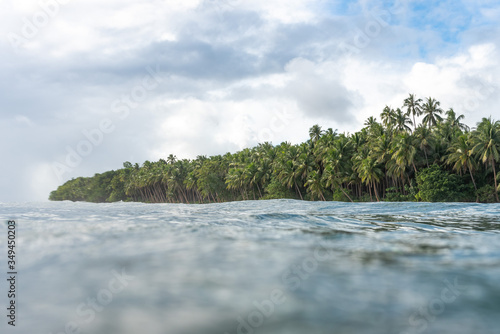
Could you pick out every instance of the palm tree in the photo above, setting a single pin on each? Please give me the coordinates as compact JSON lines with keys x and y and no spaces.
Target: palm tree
{"x":290,"y":175}
{"x":338,"y":165}
{"x":314,"y":185}
{"x":402,"y":121}
{"x":370,"y":173}
{"x":405,"y":151}
{"x":439,"y":149}
{"x":382,"y":148}
{"x":413,"y":108}
{"x":461,"y":157}
{"x":487,"y":145}
{"x":253,"y":175}
{"x":379,"y":156}
{"x":432,"y":112}
{"x":403,"y":156}
{"x":455,"y":121}
{"x":171,"y":159}
{"x":235,"y":180}
{"x":370,"y":121}
{"x":286,"y":167}
{"x":446,"y":133}
{"x":334,"y":180}
{"x":304,"y":163}
{"x":315,"y":133}
{"x":331,"y":133}
{"x":387,"y":117}
{"x":424,"y":137}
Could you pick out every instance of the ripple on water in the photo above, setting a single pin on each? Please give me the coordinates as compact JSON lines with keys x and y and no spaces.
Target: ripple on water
{"x":341,"y":267}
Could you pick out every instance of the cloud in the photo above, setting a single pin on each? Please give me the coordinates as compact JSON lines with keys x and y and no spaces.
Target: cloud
{"x":234,"y":72}
{"x":467,"y":81}
{"x":319,"y":92}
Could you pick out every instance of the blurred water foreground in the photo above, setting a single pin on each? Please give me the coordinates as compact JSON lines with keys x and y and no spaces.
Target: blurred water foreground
{"x":279,"y":266}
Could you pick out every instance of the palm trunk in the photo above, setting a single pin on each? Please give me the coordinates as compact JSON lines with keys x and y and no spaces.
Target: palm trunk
{"x":323,"y":197}
{"x":495,"y":179}
{"x":342,"y":189}
{"x":475,"y":187}
{"x":297,"y":188}
{"x":163,"y":194}
{"x":260,"y":193}
{"x":157,"y":194}
{"x":199,"y":196}
{"x":149,"y":195}
{"x":376,"y":191}
{"x":184,"y":194}
{"x":386,"y":185}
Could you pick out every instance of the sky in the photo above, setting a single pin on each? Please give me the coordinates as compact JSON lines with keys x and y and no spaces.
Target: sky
{"x":88,"y":85}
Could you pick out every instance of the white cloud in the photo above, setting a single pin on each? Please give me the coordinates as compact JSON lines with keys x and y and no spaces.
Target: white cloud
{"x":319,"y":91}
{"x":467,"y":81}
{"x":285,"y":11}
{"x":235,"y":71}
{"x":196,"y":127}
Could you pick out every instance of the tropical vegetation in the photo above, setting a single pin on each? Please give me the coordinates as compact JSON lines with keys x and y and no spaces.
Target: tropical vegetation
{"x":396,"y":159}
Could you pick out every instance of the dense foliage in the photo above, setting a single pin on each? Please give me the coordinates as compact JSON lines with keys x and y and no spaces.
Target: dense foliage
{"x":397,"y":159}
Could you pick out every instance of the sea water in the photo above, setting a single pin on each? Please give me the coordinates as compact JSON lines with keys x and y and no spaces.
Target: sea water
{"x":279,"y":266}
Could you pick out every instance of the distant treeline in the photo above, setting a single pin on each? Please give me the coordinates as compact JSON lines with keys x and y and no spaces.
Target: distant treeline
{"x":397,"y":159}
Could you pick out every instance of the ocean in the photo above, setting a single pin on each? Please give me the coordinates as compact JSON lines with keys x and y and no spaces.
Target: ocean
{"x":278,"y":266}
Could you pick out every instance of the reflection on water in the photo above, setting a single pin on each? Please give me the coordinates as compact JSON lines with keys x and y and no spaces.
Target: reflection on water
{"x":258,"y":267}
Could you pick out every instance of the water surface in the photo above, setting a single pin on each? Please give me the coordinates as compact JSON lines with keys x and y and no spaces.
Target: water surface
{"x":280,"y":267}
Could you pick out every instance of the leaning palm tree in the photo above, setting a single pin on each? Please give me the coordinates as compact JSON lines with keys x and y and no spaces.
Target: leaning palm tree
{"x":431,"y":109}
{"x":414,"y":108}
{"x":462,"y":158}
{"x":314,"y":185}
{"x":487,"y":145}
{"x":334,"y":179}
{"x":455,"y":121}
{"x":370,"y":174}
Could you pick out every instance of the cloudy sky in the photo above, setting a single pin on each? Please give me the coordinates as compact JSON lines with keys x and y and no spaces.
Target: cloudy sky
{"x":87,"y":85}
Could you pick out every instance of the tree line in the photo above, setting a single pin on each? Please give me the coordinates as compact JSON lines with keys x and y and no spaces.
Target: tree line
{"x":395,"y":159}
